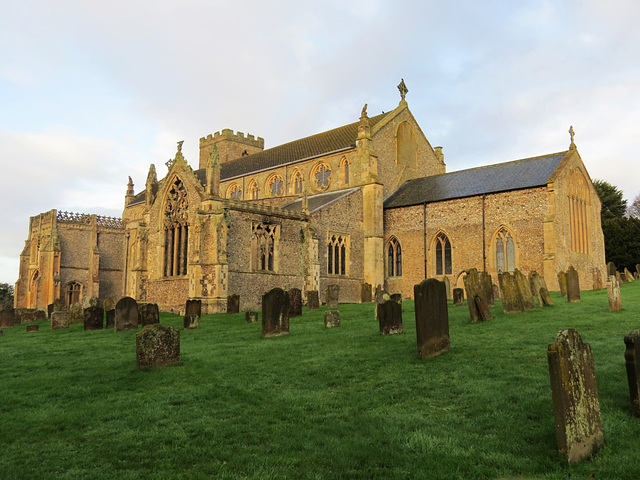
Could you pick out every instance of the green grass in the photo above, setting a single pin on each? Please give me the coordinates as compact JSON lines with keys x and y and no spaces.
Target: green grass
{"x":319,"y":403}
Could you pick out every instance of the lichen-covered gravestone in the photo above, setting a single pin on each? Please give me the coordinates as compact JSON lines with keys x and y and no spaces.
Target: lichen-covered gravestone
{"x":511,"y":300}
{"x":547,"y":301}
{"x":458,"y":296}
{"x":332,"y":296}
{"x":295,"y":302}
{"x":473,"y":287}
{"x":432,"y":318}
{"x":389,"y":314}
{"x":233,"y":303}
{"x":628,"y":276}
{"x":524,"y":290}
{"x":573,"y":285}
{"x":332,"y":318}
{"x":484,"y":313}
{"x":613,"y":289}
{"x":275,"y":313}
{"x":59,"y":320}
{"x":157,"y":345}
{"x":536,"y":282}
{"x":365,"y":293}
{"x":148,"y":314}
{"x":575,"y":396}
{"x":126,"y":314}
{"x":192,"y":313}
{"x":632,"y":360}
{"x":93,"y":318}
{"x":487,"y":288}
{"x":313,"y":301}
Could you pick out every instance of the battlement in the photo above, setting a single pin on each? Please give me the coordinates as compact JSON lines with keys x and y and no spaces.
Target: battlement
{"x":87,"y":219}
{"x":229,"y":135}
{"x":230,"y":145}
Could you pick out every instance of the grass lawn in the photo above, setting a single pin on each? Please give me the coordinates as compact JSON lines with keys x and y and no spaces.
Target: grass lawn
{"x":318,"y":403}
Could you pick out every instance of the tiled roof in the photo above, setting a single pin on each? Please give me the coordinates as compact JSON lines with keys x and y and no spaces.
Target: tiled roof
{"x":319,"y":201}
{"x":520,"y":174}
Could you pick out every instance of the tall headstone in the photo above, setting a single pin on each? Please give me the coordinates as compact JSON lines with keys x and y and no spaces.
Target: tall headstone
{"x":524,"y":290}
{"x":536,"y":282}
{"x":332,"y":318}
{"x":295,"y":302}
{"x":126,"y":314}
{"x":157,"y":345}
{"x":332,"y":295}
{"x":575,"y":396}
{"x":380,"y":297}
{"x":389,"y":314}
{"x":59,"y":320}
{"x":573,"y":285}
{"x":611,"y":269}
{"x":313,"y":302}
{"x":487,"y":288}
{"x":148,"y":314}
{"x":473,"y":287}
{"x":511,"y":300}
{"x":613,"y":289}
{"x":597,"y":279}
{"x":562,"y":283}
{"x":447,"y":287}
{"x":365,"y":293}
{"x":275,"y":313}
{"x":233,"y":303}
{"x":93,"y":318}
{"x":432,"y":318}
{"x":458,"y":296}
{"x":632,"y":360}
{"x":192,"y":313}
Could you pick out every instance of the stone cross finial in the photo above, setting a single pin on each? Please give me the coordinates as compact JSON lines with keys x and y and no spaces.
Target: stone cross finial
{"x":572,"y":134}
{"x":363,"y":114}
{"x":180,"y":146}
{"x":403,"y":89}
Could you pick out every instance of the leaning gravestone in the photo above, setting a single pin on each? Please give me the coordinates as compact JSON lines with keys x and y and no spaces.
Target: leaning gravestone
{"x":389,"y":314}
{"x":483,"y":309}
{"x":110,"y":315}
{"x":611,"y":269}
{"x":524,"y":290}
{"x":251,"y":316}
{"x":93,"y":318}
{"x":192,"y":310}
{"x":562,"y":283}
{"x":536,"y":282}
{"x":473,"y":287}
{"x":547,"y":301}
{"x":365,"y":293}
{"x":126,"y":314}
{"x":511,"y":300}
{"x":275,"y":313}
{"x":332,"y":318}
{"x":575,"y":396}
{"x":628,"y":276}
{"x":157,"y":345}
{"x":59,"y":320}
{"x":632,"y":360}
{"x":76,"y":313}
{"x":295,"y":302}
{"x":148,"y":314}
{"x":432,"y":318}
{"x":573,"y":285}
{"x":233,"y":303}
{"x":487,"y":288}
{"x":313,"y":302}
{"x":613,"y":289}
{"x":458,"y":296}
{"x":332,"y":295}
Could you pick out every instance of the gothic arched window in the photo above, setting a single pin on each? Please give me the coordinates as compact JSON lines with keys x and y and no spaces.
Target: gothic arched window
{"x":337,"y":254}
{"x":394,"y":258}
{"x":73,"y":293}
{"x":443,"y":255}
{"x":235,"y":192}
{"x":264,"y":241}
{"x":176,"y":230}
{"x":253,"y":190}
{"x":275,"y":185}
{"x":345,"y":165}
{"x":505,"y":251}
{"x":297,"y":183}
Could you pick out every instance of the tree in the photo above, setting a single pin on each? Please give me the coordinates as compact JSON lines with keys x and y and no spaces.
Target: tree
{"x":634,"y":209}
{"x":613,"y":203}
{"x":6,"y":296}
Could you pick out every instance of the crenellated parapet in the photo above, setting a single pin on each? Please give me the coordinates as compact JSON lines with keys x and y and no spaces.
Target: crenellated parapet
{"x":87,"y":219}
{"x":230,"y":145}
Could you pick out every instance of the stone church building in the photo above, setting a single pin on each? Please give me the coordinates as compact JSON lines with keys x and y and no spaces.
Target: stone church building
{"x":369,"y":202}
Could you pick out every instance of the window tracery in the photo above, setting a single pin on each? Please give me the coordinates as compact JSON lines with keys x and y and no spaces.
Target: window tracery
{"x":275,"y":185}
{"x":505,"y":251}
{"x":235,"y":192}
{"x":394,"y":258}
{"x":253,"y":190}
{"x":297,"y":183}
{"x":322,"y":174}
{"x":264,"y":242}
{"x":443,"y":255}
{"x":176,"y":230}
{"x":338,"y":254}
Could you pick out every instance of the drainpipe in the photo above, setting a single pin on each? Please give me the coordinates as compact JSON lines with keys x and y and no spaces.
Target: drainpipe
{"x":126,"y":263}
{"x":484,"y":241}
{"x":424,"y":238}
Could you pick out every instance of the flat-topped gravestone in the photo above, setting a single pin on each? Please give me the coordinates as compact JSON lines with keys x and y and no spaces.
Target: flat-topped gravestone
{"x":251,"y":316}
{"x":332,"y":295}
{"x":432,"y":318}
{"x":93,"y":318}
{"x":483,"y":309}
{"x":332,"y":318}
{"x":575,"y":396}
{"x":511,"y":301}
{"x":295,"y":302}
{"x":562,"y":283}
{"x":275,"y":313}
{"x":389,"y":314}
{"x":473,"y":287}
{"x":613,"y":289}
{"x":573,"y":285}
{"x":157,"y":345}
{"x":192,"y":308}
{"x":524,"y":290}
{"x":8,"y":318}
{"x":632,"y":360}
{"x":59,"y":320}
{"x":148,"y":314}
{"x":110,"y":315}
{"x":33,"y":328}
{"x":365,"y":293}
{"x":233,"y":303}
{"x":458,"y":296}
{"x":126,"y":314}
{"x":313,"y":301}
{"x":190,"y":322}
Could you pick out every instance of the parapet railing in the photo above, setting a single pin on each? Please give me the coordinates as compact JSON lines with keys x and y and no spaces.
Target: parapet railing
{"x":86,"y":218}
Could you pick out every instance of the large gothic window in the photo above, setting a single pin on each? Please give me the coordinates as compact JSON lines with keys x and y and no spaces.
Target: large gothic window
{"x":505,"y":252}
{"x":176,"y":230}
{"x":338,"y":254}
{"x":264,"y":240}
{"x":443,"y":255}
{"x":578,"y":212}
{"x":394,"y":258}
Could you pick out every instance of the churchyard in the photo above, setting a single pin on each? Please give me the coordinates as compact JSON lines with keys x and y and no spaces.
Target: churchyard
{"x":342,"y":402}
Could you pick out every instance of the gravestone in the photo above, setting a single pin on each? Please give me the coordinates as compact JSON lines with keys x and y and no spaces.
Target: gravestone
{"x":613,"y":289}
{"x":8,"y":318}
{"x":524,"y":290}
{"x":148,"y":314}
{"x":59,"y":320}
{"x":487,"y":288}
{"x":57,"y":305}
{"x":511,"y":300}
{"x":332,"y":318}
{"x":26,"y":314}
{"x":313,"y":302}
{"x":483,"y":309}
{"x":295,"y":302}
{"x":562,"y":283}
{"x":632,"y":361}
{"x":111,"y":317}
{"x":365,"y":293}
{"x":380,"y":297}
{"x":108,"y":304}
{"x":573,"y":285}
{"x":536,"y":282}
{"x":157,"y":345}
{"x":76,"y":313}
{"x":473,"y":287}
{"x":389,"y":314}
{"x":397,"y":297}
{"x":547,"y":301}
{"x":251,"y":317}
{"x":628,"y":277}
{"x":458,"y":296}
{"x":233,"y":303}
{"x":93,"y":318}
{"x":332,"y":295}
{"x":575,"y":396}
{"x":275,"y":313}
{"x":49,"y":310}
{"x":190,"y":322}
{"x":192,"y":308}
{"x":432,"y":318}
{"x":637,"y":270}
{"x":611,"y":269}
{"x":33,"y":328}
{"x":619,"y":277}
{"x":126,"y":314}
{"x":447,"y":287}
{"x":496,"y":292}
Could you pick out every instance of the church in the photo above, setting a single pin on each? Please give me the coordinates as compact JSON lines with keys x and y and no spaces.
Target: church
{"x":365,"y":205}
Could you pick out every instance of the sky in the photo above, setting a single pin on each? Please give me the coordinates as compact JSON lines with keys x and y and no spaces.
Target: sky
{"x":94,"y":92}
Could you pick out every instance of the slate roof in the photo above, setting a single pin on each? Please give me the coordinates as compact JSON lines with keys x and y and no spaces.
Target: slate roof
{"x":319,"y":201}
{"x":517,"y":175}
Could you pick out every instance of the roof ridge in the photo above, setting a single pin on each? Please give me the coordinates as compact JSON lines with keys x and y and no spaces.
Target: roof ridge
{"x":504,"y":163}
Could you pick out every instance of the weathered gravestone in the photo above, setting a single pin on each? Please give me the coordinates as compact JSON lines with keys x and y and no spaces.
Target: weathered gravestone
{"x":562,"y":283}
{"x":524,"y":290}
{"x":619,"y":277}
{"x":59,"y":320}
{"x":111,"y":317}
{"x":126,"y":314}
{"x":295,"y":302}
{"x":365,"y":293}
{"x":8,"y":318}
{"x":536,"y":282}
{"x":611,"y":269}
{"x":458,"y":296}
{"x":275,"y":313}
{"x":76,"y":313}
{"x":473,"y":287}
{"x":93,"y":318}
{"x":487,"y":288}
{"x":632,"y":360}
{"x":233,"y":303}
{"x":27,"y":314}
{"x":192,"y":313}
{"x":628,"y":276}
{"x":380,"y":297}
{"x":575,"y":396}
{"x":148,"y":314}
{"x":389,"y":314}
{"x":313,"y":302}
{"x":33,"y":328}
{"x":496,"y":292}
{"x":613,"y":289}
{"x":332,"y":318}
{"x":432,"y":318}
{"x":251,"y":317}
{"x":511,"y":300}
{"x":157,"y":345}
{"x":547,"y":301}
{"x":332,"y":295}
{"x":484,"y":313}
{"x":573,"y":285}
